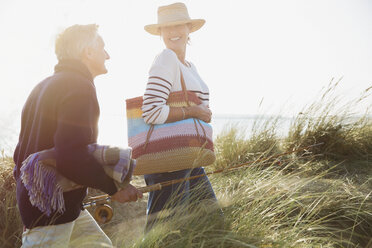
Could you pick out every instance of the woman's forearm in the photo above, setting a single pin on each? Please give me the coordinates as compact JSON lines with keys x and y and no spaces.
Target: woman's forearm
{"x":198,"y":111}
{"x":179,"y":113}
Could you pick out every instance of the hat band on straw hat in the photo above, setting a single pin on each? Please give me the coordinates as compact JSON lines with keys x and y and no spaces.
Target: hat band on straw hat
{"x":172,"y":18}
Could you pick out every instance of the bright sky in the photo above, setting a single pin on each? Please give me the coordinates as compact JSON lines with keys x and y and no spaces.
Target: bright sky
{"x":281,"y":51}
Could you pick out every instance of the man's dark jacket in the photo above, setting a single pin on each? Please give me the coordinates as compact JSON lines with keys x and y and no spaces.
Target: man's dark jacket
{"x":62,"y":112}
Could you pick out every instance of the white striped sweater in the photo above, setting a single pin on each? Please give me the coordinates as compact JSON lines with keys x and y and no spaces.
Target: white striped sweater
{"x":164,"y":78}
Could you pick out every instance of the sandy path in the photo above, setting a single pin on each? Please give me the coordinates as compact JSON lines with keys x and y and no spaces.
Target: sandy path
{"x":129,"y":219}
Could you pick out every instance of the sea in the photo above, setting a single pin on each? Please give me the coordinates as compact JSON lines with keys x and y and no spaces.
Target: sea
{"x":113,"y":128}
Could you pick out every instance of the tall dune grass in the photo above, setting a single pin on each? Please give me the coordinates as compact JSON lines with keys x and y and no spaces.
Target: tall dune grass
{"x":10,"y":223}
{"x":306,"y":200}
{"x":268,"y":207}
{"x":333,"y":122}
{"x":319,"y":197}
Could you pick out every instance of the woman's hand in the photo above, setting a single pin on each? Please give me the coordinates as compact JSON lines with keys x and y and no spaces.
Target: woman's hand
{"x":201,"y":112}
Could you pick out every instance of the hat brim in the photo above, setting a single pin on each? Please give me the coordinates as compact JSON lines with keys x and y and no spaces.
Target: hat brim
{"x":154,"y":29}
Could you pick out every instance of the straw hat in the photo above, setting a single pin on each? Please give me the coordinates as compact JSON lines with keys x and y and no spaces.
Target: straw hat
{"x":173,"y":14}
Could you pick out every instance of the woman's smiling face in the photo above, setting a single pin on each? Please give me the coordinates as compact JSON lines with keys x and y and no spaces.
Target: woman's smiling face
{"x":175,"y":37}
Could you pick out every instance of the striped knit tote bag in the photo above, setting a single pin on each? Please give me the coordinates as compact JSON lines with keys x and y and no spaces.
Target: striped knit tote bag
{"x":172,"y":146}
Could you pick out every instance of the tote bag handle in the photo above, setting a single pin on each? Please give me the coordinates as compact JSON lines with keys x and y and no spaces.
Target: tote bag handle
{"x":188,"y":104}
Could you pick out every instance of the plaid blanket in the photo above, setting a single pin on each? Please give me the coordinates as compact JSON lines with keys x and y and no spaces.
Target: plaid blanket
{"x":45,"y":185}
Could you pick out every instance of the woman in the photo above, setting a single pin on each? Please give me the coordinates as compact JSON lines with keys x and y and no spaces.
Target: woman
{"x":174,"y":26}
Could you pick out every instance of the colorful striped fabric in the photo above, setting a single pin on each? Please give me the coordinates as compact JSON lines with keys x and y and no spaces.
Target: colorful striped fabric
{"x":46,"y":186}
{"x":172,"y":146}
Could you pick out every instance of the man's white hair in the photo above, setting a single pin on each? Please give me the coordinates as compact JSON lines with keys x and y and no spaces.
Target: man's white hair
{"x":71,"y":43}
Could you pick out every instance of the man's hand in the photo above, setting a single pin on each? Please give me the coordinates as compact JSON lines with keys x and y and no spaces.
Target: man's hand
{"x":128,"y":194}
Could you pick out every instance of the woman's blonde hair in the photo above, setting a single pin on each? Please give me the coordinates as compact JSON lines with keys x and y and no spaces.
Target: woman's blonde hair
{"x":71,"y":43}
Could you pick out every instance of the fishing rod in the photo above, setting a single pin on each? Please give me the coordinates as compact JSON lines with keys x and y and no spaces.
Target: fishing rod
{"x":104,"y":212}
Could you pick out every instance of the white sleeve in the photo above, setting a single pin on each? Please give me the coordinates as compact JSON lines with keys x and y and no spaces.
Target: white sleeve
{"x":162,"y":76}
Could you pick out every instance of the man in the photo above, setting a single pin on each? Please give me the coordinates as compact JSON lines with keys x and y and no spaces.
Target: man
{"x":62,"y":112}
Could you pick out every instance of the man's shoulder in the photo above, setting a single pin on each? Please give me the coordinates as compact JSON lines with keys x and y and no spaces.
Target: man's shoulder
{"x":62,"y":84}
{"x":69,"y":80}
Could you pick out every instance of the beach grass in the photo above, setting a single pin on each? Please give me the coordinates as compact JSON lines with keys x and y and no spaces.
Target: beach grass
{"x":320,"y":196}
{"x":10,"y":224}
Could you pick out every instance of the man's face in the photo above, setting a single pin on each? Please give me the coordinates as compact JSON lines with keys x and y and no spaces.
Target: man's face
{"x":97,"y":58}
